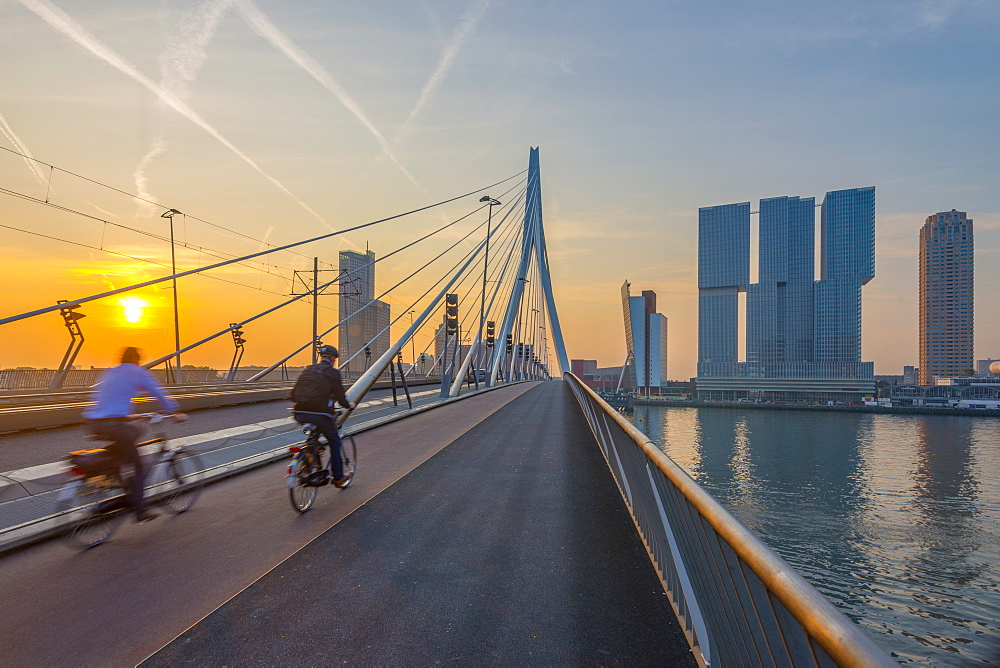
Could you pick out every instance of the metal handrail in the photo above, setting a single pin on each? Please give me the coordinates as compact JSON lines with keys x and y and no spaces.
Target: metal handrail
{"x":750,"y":628}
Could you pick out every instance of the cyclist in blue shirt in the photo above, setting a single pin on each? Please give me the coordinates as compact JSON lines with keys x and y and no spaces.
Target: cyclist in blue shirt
{"x":108,"y":418}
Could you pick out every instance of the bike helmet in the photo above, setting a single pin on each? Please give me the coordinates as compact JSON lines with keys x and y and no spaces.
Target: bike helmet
{"x":328,"y":351}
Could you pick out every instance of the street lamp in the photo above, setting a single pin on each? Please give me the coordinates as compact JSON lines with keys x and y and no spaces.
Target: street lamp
{"x":413,"y":345}
{"x":173,"y":269}
{"x":482,"y":304}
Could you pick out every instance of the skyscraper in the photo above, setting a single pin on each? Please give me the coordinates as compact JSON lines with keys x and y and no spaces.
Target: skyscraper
{"x":723,"y":273}
{"x":803,"y":335}
{"x":946,"y":296}
{"x":369,"y":321}
{"x":645,"y":340}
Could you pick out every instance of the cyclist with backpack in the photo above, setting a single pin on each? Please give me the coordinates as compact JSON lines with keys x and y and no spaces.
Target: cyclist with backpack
{"x":314,"y":394}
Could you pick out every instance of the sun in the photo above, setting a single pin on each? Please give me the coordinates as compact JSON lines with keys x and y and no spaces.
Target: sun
{"x":133,"y":309}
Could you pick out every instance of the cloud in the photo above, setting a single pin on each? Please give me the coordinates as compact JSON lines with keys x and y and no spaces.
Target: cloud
{"x":179,"y":65}
{"x":263,"y":26}
{"x":445,"y":62}
{"x":65,"y":24}
{"x":20,"y":146}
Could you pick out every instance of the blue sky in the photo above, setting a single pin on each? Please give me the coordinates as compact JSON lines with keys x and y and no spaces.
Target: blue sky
{"x":288,"y":118}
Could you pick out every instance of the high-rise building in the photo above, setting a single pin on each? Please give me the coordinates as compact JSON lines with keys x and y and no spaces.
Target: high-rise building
{"x":369,"y":318}
{"x":803,"y":335}
{"x":645,"y":340}
{"x":946,"y":297}
{"x":723,"y":273}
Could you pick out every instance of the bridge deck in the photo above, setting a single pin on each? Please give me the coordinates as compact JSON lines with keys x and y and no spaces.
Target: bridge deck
{"x":510,"y":546}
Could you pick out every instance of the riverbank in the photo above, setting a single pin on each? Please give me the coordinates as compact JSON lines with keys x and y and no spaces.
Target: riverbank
{"x":900,"y":410}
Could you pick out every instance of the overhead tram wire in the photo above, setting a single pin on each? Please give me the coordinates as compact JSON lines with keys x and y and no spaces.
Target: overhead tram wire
{"x":137,"y":259}
{"x":203,"y":249}
{"x":300,"y":349}
{"x":319,"y":288}
{"x":127,"y":194}
{"x":189,"y":272}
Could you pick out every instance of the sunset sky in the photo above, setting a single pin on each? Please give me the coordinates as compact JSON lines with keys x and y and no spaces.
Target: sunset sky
{"x":282,"y":121}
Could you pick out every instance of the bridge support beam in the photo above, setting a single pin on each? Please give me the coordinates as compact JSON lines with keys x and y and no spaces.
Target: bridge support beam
{"x":533,"y":244}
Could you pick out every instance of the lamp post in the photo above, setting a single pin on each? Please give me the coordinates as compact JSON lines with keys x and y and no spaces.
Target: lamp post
{"x":413,"y":345}
{"x":173,"y":270}
{"x":486,"y":263}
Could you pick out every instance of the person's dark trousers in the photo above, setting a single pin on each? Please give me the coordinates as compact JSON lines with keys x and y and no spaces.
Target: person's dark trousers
{"x":124,"y":436}
{"x":328,"y":427}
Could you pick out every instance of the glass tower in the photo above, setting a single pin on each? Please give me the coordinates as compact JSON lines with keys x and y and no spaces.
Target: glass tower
{"x":780,"y":326}
{"x":723,"y":272}
{"x":946,"y":297}
{"x":847,"y":262}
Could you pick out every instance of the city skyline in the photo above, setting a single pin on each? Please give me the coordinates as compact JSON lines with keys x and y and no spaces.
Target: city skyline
{"x":282,"y":122}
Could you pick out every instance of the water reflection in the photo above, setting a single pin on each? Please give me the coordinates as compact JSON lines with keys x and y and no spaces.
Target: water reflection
{"x":896,"y":519}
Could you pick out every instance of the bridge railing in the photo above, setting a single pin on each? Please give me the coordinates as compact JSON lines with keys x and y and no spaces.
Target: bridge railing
{"x":738,"y":602}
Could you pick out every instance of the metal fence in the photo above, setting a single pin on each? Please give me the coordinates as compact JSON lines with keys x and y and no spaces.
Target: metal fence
{"x":739,"y":603}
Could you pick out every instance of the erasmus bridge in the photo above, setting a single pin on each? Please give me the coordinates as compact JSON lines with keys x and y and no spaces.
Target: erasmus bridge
{"x":501,"y":514}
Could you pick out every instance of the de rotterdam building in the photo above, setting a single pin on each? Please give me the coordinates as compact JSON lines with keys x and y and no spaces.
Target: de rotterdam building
{"x":802,"y":336}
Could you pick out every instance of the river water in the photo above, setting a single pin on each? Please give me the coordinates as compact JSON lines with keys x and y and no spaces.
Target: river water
{"x":894,"y":518}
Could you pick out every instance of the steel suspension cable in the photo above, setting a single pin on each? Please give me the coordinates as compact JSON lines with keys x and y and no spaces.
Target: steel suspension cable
{"x":161,"y":360}
{"x":297,"y":351}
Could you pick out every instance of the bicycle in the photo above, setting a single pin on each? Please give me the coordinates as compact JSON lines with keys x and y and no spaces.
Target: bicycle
{"x":96,"y":491}
{"x":306,"y":473}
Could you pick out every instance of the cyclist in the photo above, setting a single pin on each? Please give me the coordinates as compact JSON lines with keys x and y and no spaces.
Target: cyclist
{"x":108,"y":418}
{"x":314,"y":394}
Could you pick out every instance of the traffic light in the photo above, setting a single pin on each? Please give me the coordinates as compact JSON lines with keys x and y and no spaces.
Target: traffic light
{"x":368,"y":352}
{"x":490,"y":334}
{"x":510,"y":343}
{"x":520,"y":350}
{"x":451,"y":313}
{"x":237,"y":332}
{"x":399,"y":356}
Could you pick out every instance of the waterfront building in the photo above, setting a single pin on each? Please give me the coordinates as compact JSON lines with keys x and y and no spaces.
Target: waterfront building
{"x":803,"y":334}
{"x":910,"y":375}
{"x":983,"y":367}
{"x":369,"y":318}
{"x":645,"y":341}
{"x":946,"y":296}
{"x":585,"y":370}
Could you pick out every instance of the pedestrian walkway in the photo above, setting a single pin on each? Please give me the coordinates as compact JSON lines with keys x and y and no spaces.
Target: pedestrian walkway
{"x":510,"y":546}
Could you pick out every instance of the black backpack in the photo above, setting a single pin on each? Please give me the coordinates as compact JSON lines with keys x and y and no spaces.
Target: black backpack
{"x":313,"y":389}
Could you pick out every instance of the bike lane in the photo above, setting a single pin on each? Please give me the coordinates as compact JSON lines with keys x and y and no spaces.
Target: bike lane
{"x":118,"y":603}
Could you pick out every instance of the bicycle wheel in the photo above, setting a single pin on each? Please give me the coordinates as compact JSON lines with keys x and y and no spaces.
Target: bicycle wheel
{"x":301,"y":493}
{"x":183,"y":485}
{"x":97,"y":512}
{"x":349,"y":453}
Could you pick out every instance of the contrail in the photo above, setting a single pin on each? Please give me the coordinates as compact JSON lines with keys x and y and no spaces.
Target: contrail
{"x":465,"y":28}
{"x":263,"y":26}
{"x":16,"y":141}
{"x":62,"y":22}
{"x":179,"y":65}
